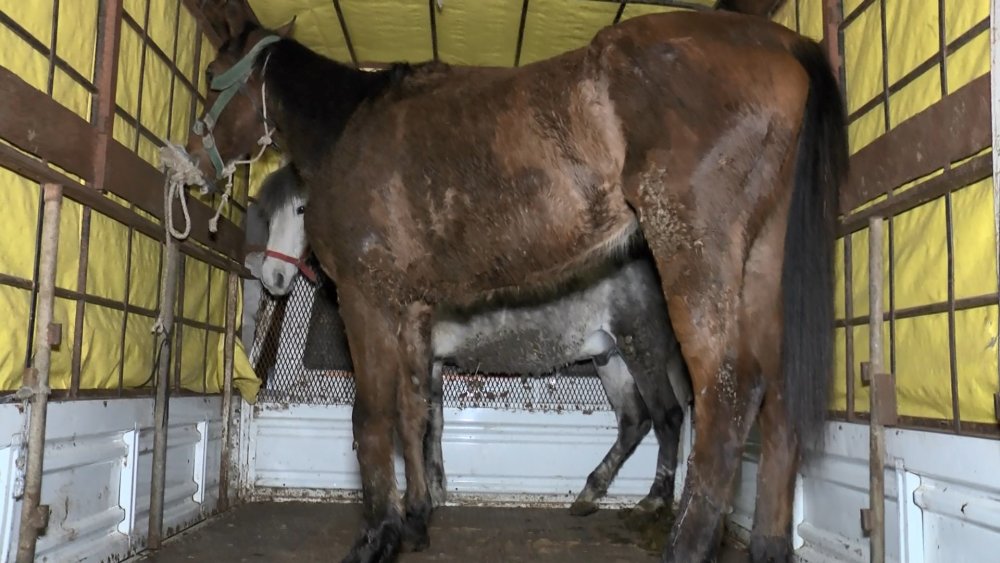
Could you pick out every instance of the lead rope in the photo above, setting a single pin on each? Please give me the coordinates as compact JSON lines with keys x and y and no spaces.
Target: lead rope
{"x":264,"y":141}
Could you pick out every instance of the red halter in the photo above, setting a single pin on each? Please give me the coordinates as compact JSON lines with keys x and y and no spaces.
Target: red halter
{"x":299,"y":263}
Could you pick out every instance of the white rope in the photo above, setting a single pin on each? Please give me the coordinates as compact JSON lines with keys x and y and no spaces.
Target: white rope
{"x":179,"y":172}
{"x":264,"y":141}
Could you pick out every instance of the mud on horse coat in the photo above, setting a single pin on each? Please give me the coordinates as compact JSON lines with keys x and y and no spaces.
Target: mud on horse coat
{"x":616,"y":319}
{"x":719,"y":138}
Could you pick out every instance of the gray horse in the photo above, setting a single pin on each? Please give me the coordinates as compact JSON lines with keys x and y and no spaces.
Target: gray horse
{"x":615,"y":317}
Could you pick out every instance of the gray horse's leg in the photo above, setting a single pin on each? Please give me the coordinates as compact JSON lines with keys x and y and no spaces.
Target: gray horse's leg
{"x":433,"y":457}
{"x":667,"y":414}
{"x":633,"y":425}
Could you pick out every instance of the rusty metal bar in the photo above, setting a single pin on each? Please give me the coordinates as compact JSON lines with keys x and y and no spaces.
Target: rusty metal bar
{"x":179,"y":336}
{"x":994,"y":19}
{"x":35,"y":386}
{"x":168,"y":294}
{"x":833,"y":15}
{"x":434,"y":36}
{"x":876,"y":508}
{"x":961,"y":304}
{"x":952,"y":179}
{"x":520,"y":33}
{"x":347,"y":34}
{"x":204,"y":340}
{"x":229,"y":349}
{"x":849,"y":329}
{"x":107,"y":82}
{"x":883,"y":28}
{"x":124,"y":331}
{"x":21,"y":283}
{"x":33,"y":285}
{"x":854,"y":15}
{"x":26,"y":36}
{"x":920,"y":69}
{"x":76,"y":356}
{"x":50,"y":84}
{"x":162,"y":55}
{"x":621,"y":10}
{"x":142,"y":79}
{"x":952,"y":359}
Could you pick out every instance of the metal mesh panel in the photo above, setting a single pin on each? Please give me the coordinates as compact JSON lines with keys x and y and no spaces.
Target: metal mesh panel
{"x":280,"y":346}
{"x":282,"y":338}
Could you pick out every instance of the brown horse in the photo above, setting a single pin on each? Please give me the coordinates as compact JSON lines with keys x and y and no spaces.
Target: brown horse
{"x":718,"y":138}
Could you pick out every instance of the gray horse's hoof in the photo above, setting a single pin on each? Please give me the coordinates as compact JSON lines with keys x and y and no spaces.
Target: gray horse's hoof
{"x":649,"y":506}
{"x":438,"y":496}
{"x":583,"y":508}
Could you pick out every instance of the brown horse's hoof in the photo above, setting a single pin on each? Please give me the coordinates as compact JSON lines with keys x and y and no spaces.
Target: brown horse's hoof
{"x":415,"y":534}
{"x":379,"y":544}
{"x":583,"y":508}
{"x":770,"y":549}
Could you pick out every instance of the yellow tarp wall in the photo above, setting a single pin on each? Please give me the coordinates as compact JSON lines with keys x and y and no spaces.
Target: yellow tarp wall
{"x":919,"y":236}
{"x":145,"y":97}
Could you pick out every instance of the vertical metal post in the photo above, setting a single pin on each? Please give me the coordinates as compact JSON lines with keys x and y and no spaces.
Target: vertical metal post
{"x":228,"y":352}
{"x":35,"y":387}
{"x":995,"y":105}
{"x":876,"y":508}
{"x":160,"y":410}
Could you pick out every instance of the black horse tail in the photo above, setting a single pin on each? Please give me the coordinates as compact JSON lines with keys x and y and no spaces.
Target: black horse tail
{"x":807,"y":275}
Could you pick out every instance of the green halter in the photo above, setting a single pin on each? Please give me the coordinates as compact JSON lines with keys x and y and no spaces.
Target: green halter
{"x":228,"y":83}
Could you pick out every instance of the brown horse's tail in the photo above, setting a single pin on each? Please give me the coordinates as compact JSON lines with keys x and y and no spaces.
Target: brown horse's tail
{"x":807,"y":276}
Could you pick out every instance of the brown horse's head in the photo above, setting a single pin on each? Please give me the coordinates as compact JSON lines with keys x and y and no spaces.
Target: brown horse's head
{"x":234,"y":118}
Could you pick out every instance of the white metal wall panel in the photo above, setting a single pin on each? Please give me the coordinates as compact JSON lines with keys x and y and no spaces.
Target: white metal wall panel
{"x":512,"y":456}
{"x":97,"y":471}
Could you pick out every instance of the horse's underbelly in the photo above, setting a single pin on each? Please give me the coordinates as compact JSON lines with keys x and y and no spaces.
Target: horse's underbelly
{"x":528,"y":339}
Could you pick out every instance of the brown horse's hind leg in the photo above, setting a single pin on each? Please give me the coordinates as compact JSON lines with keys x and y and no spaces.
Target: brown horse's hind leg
{"x":769,"y":541}
{"x":703,"y":281}
{"x":727,"y":397}
{"x":374,"y":349}
{"x":414,"y":409}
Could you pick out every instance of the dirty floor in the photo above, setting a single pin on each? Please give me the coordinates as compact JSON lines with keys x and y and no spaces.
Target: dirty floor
{"x":306,"y":532}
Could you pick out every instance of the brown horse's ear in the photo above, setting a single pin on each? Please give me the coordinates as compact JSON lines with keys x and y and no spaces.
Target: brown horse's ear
{"x":286,"y":30}
{"x":236,"y":17}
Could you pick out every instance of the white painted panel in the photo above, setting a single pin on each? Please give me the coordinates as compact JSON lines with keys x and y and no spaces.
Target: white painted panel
{"x":97,"y":472}
{"x":488,"y":452}
{"x":951,"y":505}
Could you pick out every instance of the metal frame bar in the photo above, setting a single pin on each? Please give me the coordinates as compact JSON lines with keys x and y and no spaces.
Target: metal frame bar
{"x":35,"y":386}
{"x":941,"y":187}
{"x":347,"y":34}
{"x":520,"y":33}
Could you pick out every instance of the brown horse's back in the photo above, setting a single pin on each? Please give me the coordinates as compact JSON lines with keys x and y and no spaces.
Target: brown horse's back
{"x":453,"y":160}
{"x":449,"y":173}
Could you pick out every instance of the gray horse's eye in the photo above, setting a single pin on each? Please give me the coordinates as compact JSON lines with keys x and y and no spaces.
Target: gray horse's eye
{"x":300,"y":210}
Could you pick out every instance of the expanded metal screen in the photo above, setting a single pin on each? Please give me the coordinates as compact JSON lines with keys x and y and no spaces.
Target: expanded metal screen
{"x":300,"y":353}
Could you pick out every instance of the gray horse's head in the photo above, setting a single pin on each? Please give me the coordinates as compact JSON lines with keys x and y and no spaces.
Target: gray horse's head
{"x":282,"y":201}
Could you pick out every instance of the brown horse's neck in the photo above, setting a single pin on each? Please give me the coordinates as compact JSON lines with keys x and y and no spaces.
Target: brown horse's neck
{"x":311,"y":98}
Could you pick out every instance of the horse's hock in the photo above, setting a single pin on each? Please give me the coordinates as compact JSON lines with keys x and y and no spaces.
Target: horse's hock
{"x":192,"y":422}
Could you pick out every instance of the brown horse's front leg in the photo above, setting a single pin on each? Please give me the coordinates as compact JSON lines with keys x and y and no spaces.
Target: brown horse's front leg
{"x":414,"y":410}
{"x":373,"y":342}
